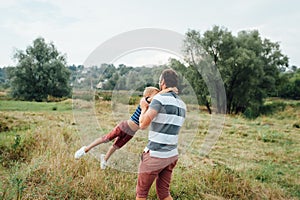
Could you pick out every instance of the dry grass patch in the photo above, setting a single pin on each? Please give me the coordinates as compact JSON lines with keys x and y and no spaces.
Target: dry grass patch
{"x":253,"y":159}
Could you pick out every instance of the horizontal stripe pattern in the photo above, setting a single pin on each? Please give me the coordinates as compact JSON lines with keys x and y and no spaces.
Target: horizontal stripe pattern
{"x":135,"y":117}
{"x":169,"y":129}
{"x":158,"y":137}
{"x":164,"y":129}
{"x":170,"y":99}
{"x":170,"y":109}
{"x":162,"y":147}
{"x":160,"y":154}
{"x":171,"y":119}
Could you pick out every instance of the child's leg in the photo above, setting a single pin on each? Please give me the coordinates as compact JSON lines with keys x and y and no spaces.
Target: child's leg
{"x":119,"y":143}
{"x":110,"y":151}
{"x":95,"y":143}
{"x":110,"y":136}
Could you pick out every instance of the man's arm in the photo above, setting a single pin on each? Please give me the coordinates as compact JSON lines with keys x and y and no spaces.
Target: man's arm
{"x":147,"y":114}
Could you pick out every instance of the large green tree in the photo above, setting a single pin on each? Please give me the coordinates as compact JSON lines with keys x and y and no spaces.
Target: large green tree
{"x":40,"y":72}
{"x":249,"y":66}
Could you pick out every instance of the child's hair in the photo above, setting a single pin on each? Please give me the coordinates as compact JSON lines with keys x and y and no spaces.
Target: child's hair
{"x":150,"y":91}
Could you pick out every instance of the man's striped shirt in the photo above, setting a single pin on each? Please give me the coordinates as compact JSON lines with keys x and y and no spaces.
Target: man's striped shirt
{"x":164,"y":128}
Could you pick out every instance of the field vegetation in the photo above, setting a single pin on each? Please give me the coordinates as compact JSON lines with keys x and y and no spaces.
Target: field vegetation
{"x":253,"y":159}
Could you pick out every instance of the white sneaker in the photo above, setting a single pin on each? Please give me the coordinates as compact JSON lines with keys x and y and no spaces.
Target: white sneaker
{"x":103,"y":162}
{"x":79,"y":153}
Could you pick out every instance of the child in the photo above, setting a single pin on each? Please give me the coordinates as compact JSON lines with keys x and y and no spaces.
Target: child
{"x":123,"y":132}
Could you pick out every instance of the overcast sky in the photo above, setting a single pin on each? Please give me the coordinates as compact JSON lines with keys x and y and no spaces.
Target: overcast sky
{"x":78,"y":27}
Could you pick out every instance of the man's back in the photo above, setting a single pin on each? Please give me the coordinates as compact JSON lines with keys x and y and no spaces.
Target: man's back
{"x":164,"y":128}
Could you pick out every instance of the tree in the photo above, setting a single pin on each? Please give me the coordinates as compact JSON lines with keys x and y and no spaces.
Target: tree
{"x":249,"y":66}
{"x":274,"y":63}
{"x":195,"y":80}
{"x":193,"y":55}
{"x":203,"y":53}
{"x":40,"y":72}
{"x":290,"y":84}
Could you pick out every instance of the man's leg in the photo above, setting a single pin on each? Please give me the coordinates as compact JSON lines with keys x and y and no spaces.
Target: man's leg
{"x":168,"y":198}
{"x":163,"y":181}
{"x":144,"y":183}
{"x":146,"y":176}
{"x":140,"y":198}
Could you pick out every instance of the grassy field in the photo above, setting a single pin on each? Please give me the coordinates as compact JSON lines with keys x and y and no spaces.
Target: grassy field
{"x":253,"y":159}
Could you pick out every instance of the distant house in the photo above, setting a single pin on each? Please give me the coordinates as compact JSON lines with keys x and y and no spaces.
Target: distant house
{"x":101,"y":84}
{"x":80,"y":80}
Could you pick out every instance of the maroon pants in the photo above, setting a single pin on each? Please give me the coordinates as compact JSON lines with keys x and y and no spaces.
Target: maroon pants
{"x":121,"y":133}
{"x":152,"y":168}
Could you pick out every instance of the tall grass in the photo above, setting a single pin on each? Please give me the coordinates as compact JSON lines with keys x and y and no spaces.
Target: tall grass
{"x":253,"y":159}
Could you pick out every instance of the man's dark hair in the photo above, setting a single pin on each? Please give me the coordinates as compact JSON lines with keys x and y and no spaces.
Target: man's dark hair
{"x":170,"y":77}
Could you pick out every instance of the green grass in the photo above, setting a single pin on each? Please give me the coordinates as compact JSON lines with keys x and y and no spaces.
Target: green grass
{"x":34,"y":106}
{"x":253,"y":159}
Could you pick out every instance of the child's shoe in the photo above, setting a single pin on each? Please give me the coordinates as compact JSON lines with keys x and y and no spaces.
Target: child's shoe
{"x":79,"y":153}
{"x":103,"y":162}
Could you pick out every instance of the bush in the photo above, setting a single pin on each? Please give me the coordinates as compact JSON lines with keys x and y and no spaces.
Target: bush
{"x":18,"y":151}
{"x":271,"y":108}
{"x":103,"y":95}
{"x":251,"y":112}
{"x":134,"y":100}
{"x":55,"y":99}
{"x":266,"y":109}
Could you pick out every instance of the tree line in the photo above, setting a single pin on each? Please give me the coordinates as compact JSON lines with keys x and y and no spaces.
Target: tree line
{"x":251,"y":69}
{"x":111,"y":77}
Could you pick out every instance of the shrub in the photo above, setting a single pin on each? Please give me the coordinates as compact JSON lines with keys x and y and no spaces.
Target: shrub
{"x":253,"y":112}
{"x":271,"y":108}
{"x":133,"y":100}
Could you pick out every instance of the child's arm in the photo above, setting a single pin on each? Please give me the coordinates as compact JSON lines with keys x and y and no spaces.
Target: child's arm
{"x":174,"y":89}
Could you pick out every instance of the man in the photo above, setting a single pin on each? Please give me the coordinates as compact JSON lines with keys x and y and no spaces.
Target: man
{"x":165,"y":115}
